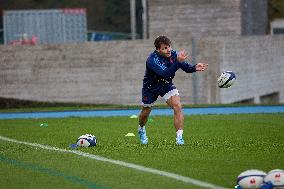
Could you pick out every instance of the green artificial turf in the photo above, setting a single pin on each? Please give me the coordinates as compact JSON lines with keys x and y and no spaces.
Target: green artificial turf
{"x":218,"y":148}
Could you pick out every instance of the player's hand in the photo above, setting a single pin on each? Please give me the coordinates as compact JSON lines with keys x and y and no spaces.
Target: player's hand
{"x":201,"y":66}
{"x":181,"y":56}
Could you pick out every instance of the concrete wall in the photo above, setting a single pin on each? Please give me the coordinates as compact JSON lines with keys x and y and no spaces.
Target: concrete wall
{"x":97,"y":72}
{"x":258,"y":63}
{"x":112,"y":72}
{"x":89,"y":72}
{"x":254,"y":17}
{"x":184,"y":18}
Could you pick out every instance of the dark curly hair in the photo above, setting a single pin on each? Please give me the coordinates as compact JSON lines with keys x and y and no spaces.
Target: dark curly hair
{"x":162,"y":40}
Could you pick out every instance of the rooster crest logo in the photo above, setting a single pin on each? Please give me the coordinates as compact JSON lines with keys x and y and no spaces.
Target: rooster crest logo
{"x":252,"y":181}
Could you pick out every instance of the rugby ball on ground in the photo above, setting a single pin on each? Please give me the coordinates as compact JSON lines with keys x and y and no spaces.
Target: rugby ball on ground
{"x":87,"y":140}
{"x":276,"y":177}
{"x":251,"y":178}
{"x":226,"y":79}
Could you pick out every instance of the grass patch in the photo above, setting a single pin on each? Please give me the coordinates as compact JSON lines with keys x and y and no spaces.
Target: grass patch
{"x":218,"y":148}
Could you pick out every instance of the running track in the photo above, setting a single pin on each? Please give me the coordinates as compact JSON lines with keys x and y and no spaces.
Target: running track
{"x":106,"y":113}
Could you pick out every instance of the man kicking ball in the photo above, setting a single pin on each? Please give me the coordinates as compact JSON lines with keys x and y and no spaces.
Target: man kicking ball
{"x":161,"y":67}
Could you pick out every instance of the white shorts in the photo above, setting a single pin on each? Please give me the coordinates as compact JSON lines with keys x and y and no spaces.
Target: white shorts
{"x":169,"y":94}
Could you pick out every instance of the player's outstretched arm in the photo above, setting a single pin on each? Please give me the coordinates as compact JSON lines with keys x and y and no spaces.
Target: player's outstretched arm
{"x":185,"y":66}
{"x":181,"y":56}
{"x":201,"y":66}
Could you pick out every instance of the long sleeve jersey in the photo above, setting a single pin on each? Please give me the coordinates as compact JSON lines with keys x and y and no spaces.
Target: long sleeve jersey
{"x":161,"y":70}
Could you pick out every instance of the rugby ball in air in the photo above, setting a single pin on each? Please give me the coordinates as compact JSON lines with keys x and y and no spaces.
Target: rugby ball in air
{"x":251,"y":178}
{"x":226,"y":79}
{"x":87,"y":140}
{"x":276,"y":177}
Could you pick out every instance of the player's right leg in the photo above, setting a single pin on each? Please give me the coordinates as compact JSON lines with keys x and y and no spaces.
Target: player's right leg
{"x":143,"y":117}
{"x":144,"y":114}
{"x":148,"y":99}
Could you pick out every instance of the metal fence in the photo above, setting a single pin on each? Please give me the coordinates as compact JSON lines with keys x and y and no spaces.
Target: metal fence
{"x":48,"y":26}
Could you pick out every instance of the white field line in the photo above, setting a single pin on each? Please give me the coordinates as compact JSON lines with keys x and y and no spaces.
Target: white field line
{"x":120,"y":163}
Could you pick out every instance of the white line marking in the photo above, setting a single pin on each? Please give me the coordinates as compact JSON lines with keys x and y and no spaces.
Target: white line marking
{"x":121,"y":163}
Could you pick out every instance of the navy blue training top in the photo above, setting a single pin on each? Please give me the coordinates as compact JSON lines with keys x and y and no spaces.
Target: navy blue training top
{"x":161,"y":70}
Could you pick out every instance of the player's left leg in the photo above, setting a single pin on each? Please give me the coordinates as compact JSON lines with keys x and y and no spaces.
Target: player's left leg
{"x":174,"y":102}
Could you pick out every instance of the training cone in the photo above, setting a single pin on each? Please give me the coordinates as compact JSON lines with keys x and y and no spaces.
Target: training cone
{"x":43,"y":125}
{"x":150,"y":120}
{"x":133,"y":116}
{"x":129,"y":134}
{"x":73,"y":146}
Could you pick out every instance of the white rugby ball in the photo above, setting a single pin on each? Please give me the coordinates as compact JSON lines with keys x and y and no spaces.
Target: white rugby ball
{"x":276,"y":177}
{"x":226,"y":79}
{"x":87,"y":140}
{"x":251,"y":178}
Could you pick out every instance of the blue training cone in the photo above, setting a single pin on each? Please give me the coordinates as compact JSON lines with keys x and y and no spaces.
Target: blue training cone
{"x":73,"y":146}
